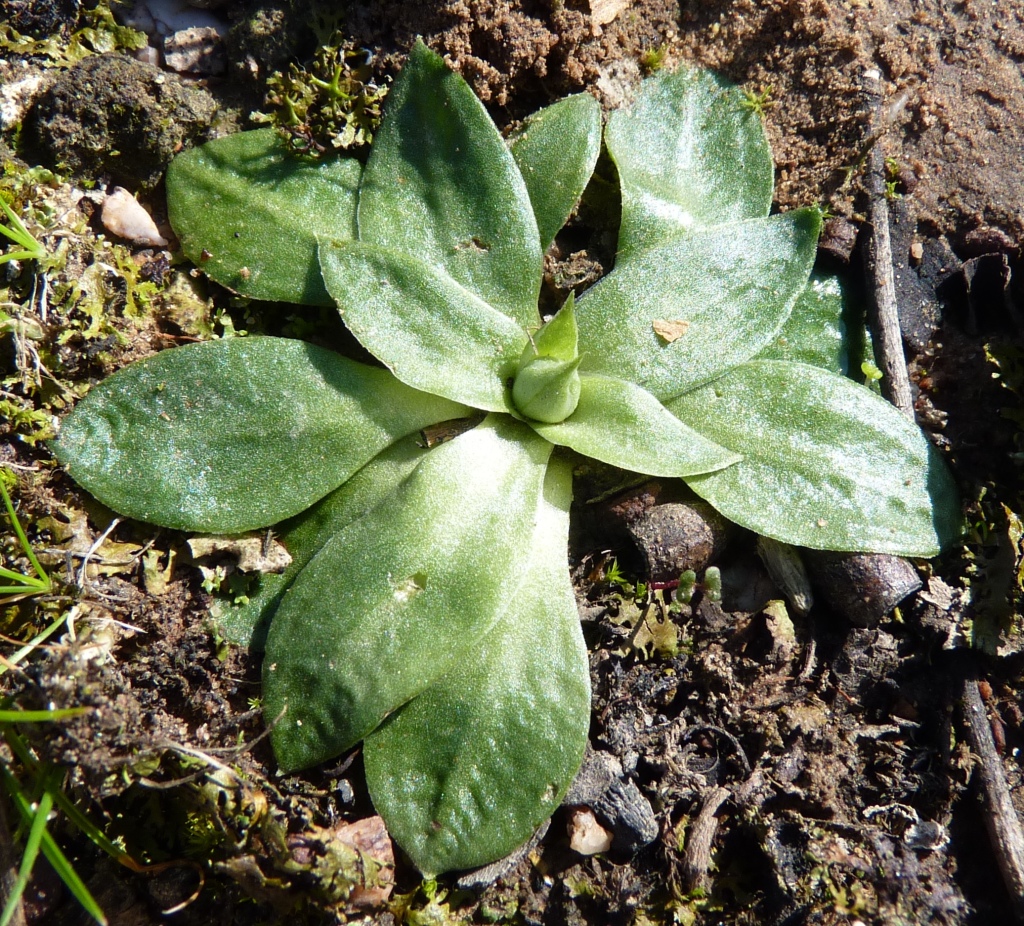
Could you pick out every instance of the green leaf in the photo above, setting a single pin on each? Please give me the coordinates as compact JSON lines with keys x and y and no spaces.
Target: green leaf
{"x":826,"y":464}
{"x":249,"y":213}
{"x":734,"y":284}
{"x":559,"y":338}
{"x":304,"y":535}
{"x":430,"y":331}
{"x":467,"y":771}
{"x":441,"y":185}
{"x":556,"y":150}
{"x":816,"y":331}
{"x":399,"y":597}
{"x":689,"y":154}
{"x":227,"y":436}
{"x":623,"y":425}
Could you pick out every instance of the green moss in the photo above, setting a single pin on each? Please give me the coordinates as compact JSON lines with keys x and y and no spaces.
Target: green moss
{"x":332,"y":106}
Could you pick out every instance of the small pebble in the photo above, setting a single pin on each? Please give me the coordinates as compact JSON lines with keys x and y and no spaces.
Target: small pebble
{"x":586,"y":835}
{"x":125,"y":217}
{"x":199,"y":50}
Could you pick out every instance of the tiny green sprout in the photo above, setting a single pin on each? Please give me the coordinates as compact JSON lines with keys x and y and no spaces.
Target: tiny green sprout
{"x":713,"y":584}
{"x":892,"y":179}
{"x":27,"y":247}
{"x":18,"y":584}
{"x":758,"y":101}
{"x":825,"y":211}
{"x":613,"y":575}
{"x":871,"y":372}
{"x":687,"y":586}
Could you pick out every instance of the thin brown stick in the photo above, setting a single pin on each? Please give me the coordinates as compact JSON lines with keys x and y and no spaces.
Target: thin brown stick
{"x":697,"y":857}
{"x":878,"y":259}
{"x":1001,"y":818}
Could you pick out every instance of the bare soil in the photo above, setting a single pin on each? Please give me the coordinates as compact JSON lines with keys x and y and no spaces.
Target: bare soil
{"x":831,"y":760}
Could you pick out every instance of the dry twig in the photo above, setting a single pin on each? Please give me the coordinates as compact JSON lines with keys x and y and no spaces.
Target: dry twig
{"x":1001,"y":818}
{"x":697,"y":857}
{"x":878,"y":258}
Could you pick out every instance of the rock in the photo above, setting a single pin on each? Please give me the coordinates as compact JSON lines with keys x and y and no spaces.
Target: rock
{"x":595,"y":776}
{"x":19,"y":86}
{"x":586,"y":835}
{"x":599,"y":785}
{"x":113,"y":116}
{"x":199,"y":50}
{"x":677,"y":536}
{"x":838,"y":239}
{"x":163,"y":18}
{"x":39,"y":18}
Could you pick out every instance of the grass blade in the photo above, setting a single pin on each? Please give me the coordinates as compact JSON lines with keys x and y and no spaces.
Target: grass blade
{"x":28,"y":858}
{"x":9,"y":716}
{"x":65,"y":870}
{"x":22,"y":539}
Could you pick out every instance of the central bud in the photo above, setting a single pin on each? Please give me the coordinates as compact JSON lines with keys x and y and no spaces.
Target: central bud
{"x":547,"y":383}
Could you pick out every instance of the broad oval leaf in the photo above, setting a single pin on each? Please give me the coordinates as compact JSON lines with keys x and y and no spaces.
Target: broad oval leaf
{"x":816,"y":331}
{"x":689,"y":154}
{"x":400,"y":596}
{"x":467,"y":771}
{"x":248,"y":213}
{"x":735,"y":285}
{"x":441,"y":184}
{"x":827,"y":464}
{"x":429,"y":330}
{"x":623,"y":425}
{"x":203,"y":437}
{"x":556,"y":150}
{"x":303,"y":536}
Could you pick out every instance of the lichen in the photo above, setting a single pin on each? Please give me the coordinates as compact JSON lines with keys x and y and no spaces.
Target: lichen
{"x":39,"y":31}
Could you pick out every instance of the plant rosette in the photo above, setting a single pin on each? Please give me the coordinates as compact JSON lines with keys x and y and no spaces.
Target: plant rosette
{"x":428,"y":610}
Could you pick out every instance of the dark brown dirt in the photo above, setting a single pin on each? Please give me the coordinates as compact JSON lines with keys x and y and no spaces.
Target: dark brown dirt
{"x":850,"y":794}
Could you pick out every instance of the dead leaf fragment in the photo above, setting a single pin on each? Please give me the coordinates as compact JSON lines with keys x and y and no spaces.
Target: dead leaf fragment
{"x":670,"y":330}
{"x":252,"y":554}
{"x":157,"y":579}
{"x":369,"y":837}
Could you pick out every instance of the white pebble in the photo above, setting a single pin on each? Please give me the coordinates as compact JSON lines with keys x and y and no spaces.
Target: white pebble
{"x":586,"y":835}
{"x":124,"y":216}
